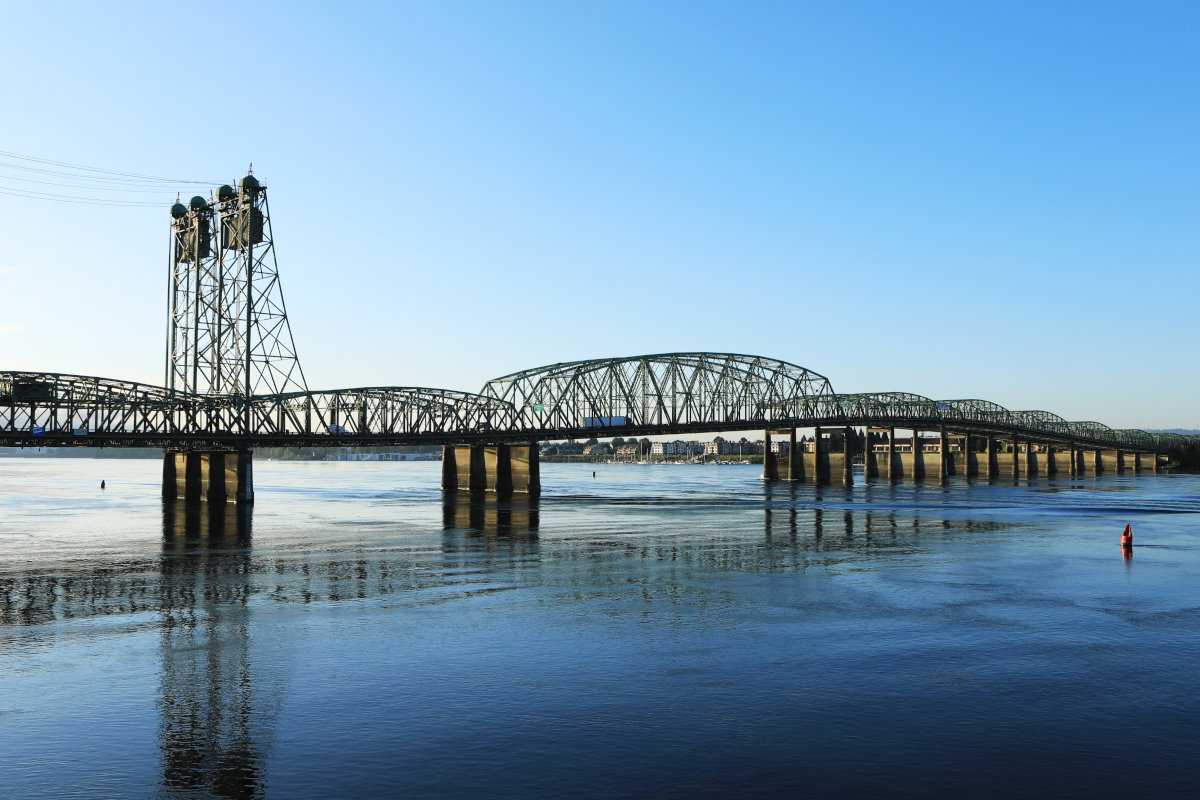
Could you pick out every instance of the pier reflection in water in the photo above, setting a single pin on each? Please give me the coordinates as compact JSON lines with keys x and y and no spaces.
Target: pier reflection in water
{"x":835,"y":521}
{"x":488,"y":515}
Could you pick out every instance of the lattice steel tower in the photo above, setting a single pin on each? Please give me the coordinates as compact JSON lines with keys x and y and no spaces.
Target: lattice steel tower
{"x":228,"y":332}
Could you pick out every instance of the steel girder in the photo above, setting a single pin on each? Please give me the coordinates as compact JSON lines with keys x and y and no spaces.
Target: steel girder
{"x":664,"y":390}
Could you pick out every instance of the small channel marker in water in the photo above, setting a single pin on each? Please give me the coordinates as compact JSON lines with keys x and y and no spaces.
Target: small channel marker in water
{"x":1127,"y":539}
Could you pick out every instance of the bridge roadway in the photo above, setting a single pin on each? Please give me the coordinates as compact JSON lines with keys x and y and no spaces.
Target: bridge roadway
{"x":663,"y":394}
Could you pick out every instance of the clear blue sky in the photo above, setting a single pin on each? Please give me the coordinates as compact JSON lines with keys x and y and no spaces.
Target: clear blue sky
{"x":953,"y":199}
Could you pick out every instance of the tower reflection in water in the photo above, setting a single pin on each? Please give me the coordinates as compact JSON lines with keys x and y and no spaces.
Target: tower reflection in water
{"x":213,"y":731}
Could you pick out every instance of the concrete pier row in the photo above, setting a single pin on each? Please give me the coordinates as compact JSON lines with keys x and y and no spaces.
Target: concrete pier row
{"x":938,"y":455}
{"x":501,"y":469}
{"x":214,"y":476}
{"x":816,"y":462}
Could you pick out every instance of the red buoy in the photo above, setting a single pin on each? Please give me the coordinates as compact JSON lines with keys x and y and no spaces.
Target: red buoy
{"x":1127,"y":538}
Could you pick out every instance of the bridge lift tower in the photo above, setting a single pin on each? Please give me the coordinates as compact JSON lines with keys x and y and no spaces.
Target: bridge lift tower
{"x":228,"y":333}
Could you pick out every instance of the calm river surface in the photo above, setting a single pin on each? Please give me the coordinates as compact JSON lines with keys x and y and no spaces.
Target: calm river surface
{"x":656,"y":631}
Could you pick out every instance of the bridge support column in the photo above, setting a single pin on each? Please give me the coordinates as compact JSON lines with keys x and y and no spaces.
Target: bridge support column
{"x":847,"y":457}
{"x":795,"y":469}
{"x":526,"y":464}
{"x":500,"y":469}
{"x":1016,"y":459}
{"x":944,"y":454}
{"x":870,"y":463}
{"x":990,"y":469}
{"x":449,"y":468}
{"x":1074,"y":460}
{"x":245,"y":477}
{"x":170,"y":479}
{"x":891,"y":453}
{"x":497,"y":470}
{"x":212,"y":476}
{"x":463,"y":468}
{"x":820,"y":470}
{"x":770,"y":463}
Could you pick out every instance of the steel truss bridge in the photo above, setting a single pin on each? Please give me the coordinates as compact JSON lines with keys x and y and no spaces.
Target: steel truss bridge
{"x":233,"y":382}
{"x":670,"y":393}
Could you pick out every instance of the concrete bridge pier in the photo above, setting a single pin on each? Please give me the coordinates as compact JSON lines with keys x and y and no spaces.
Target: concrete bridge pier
{"x":501,"y":469}
{"x":795,"y":459}
{"x":215,"y":476}
{"x":770,"y":463}
{"x":990,"y":466}
{"x":824,"y":466}
{"x":907,"y":466}
{"x":944,"y":462}
{"x":1029,"y":460}
{"x":879,"y":463}
{"x":891,"y":453}
{"x":847,"y":457}
{"x":970,"y":456}
{"x":820,"y":459}
{"x":870,"y":468}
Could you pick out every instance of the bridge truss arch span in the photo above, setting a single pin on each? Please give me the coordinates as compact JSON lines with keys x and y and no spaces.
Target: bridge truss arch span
{"x":665,"y":391}
{"x":886,"y":407}
{"x":1043,"y":422}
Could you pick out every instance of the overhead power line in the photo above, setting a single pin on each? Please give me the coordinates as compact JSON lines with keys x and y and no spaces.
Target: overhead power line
{"x":27,"y":169}
{"x":98,"y":170}
{"x":66,"y":198}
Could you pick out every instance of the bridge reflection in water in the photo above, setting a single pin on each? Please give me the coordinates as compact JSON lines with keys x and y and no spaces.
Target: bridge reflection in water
{"x":223,"y":665}
{"x":816,"y":520}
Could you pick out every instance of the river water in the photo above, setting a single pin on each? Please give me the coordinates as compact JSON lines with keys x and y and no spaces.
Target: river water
{"x":655,"y":631}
